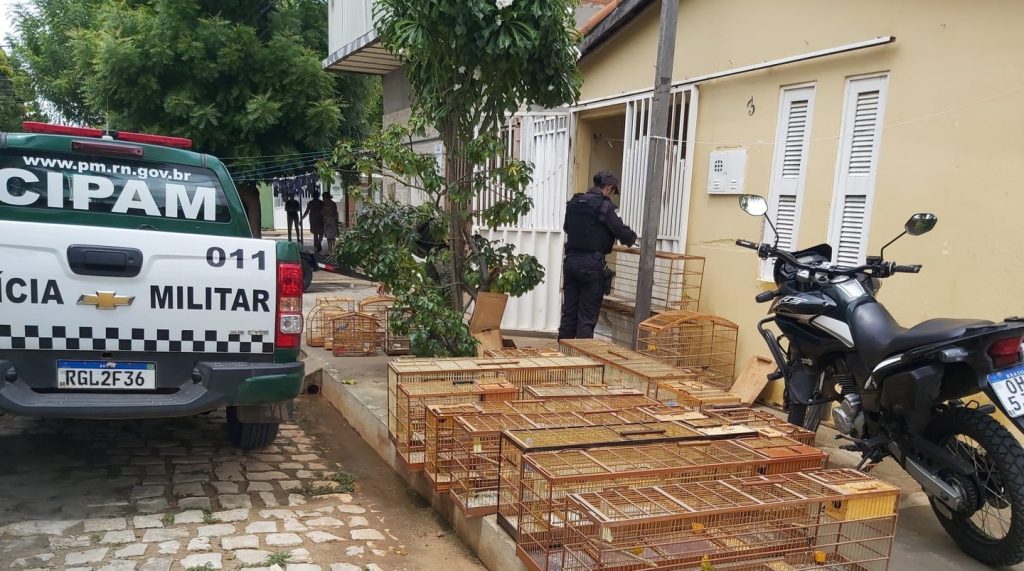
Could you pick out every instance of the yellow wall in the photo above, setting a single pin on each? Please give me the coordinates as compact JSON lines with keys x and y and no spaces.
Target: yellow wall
{"x":953,"y":142}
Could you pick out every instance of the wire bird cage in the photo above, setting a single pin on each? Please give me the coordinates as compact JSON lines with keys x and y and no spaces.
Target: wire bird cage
{"x":552,"y":393}
{"x":395,"y":344}
{"x":410,"y":412}
{"x":477,"y":441}
{"x":515,"y":444}
{"x":522,"y":352}
{"x":440,"y":446}
{"x":832,"y":519}
{"x":694,"y":394}
{"x":532,"y":371}
{"x":377,"y":307}
{"x":354,"y":334}
{"x":761,"y":419}
{"x":549,"y":478}
{"x":677,"y":285}
{"x":626,"y":368}
{"x":704,"y":344}
{"x":316,"y":320}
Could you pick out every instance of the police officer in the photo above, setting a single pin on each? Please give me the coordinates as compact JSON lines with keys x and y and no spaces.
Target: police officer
{"x":591,"y":227}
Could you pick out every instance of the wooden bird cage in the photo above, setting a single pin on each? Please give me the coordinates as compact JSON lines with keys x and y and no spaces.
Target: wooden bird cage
{"x":677,"y":285}
{"x":354,"y":334}
{"x":704,"y":344}
{"x":694,"y":394}
{"x":515,"y":444}
{"x":440,"y":445}
{"x":316,"y":321}
{"x":759,"y":419}
{"x":510,"y":353}
{"x":786,"y":521}
{"x":551,"y":393}
{"x":346,"y":303}
{"x":477,"y":440}
{"x":411,"y":410}
{"x":395,"y":344}
{"x":626,"y":368}
{"x":378,"y":307}
{"x":524,"y":372}
{"x":549,"y":478}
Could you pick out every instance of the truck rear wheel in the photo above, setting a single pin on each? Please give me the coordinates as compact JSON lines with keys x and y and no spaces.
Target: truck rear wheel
{"x":249,"y":435}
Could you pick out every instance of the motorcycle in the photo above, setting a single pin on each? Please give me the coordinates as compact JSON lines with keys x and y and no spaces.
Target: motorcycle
{"x":903,"y":392}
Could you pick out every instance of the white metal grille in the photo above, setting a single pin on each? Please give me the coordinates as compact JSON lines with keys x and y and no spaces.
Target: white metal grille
{"x":793,"y":156}
{"x":848,"y":252}
{"x":636,"y":150}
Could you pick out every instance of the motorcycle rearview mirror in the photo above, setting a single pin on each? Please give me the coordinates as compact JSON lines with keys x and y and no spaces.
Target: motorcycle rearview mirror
{"x":921,"y":223}
{"x":755,"y":205}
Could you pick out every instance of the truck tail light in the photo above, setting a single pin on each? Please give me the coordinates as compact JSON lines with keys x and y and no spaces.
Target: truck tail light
{"x":1005,"y":352}
{"x":289,"y":305}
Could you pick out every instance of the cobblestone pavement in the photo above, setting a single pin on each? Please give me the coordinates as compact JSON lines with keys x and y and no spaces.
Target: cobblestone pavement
{"x":173,"y":494}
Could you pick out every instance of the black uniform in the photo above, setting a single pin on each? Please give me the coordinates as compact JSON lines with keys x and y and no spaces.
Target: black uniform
{"x":591,"y":226}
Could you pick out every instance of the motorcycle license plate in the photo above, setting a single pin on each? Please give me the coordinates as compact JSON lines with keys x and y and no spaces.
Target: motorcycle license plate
{"x":1009,"y":387}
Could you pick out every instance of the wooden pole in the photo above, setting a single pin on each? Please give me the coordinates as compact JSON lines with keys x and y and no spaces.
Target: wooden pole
{"x":661,"y":107}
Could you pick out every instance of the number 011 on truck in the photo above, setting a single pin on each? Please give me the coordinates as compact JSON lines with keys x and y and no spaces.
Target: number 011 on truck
{"x":131,"y":286}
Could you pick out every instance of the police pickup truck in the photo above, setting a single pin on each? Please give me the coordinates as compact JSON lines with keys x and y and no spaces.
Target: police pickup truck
{"x":131,"y":285}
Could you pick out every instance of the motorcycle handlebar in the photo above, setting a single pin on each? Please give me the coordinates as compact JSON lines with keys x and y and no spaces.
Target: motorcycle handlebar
{"x":877,"y":267}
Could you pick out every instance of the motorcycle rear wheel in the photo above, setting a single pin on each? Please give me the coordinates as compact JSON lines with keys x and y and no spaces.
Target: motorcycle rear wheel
{"x":994,"y":532}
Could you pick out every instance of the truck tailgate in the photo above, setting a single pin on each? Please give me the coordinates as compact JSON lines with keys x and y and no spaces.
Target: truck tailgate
{"x":75,"y":288}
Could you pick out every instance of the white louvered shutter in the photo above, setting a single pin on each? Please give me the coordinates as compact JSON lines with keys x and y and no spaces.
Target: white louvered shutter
{"x":789,"y":168}
{"x":859,"y":143}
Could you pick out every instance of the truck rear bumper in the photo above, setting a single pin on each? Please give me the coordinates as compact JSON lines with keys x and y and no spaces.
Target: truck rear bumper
{"x":214,"y":385}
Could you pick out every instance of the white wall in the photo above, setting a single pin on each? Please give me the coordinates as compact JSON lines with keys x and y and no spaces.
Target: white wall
{"x":346,"y":21}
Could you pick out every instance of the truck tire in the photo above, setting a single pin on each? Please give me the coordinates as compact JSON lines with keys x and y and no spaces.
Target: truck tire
{"x":250,"y":435}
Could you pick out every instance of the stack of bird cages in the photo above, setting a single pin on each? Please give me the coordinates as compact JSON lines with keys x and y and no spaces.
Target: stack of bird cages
{"x":525,"y":372}
{"x":354,"y":334}
{"x":439,"y":445}
{"x":516,"y":444}
{"x":549,"y":478}
{"x":624,"y":367}
{"x":522,"y":352}
{"x":704,"y":344}
{"x":694,"y":394}
{"x":395,"y":344}
{"x":410,"y":412}
{"x":317,"y":324}
{"x":550,"y":393}
{"x":477,"y":441}
{"x":789,"y":521}
{"x":677,"y":285}
{"x":759,"y":419}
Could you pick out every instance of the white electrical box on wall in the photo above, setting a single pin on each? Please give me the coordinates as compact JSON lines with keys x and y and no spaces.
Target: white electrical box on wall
{"x":727,"y":171}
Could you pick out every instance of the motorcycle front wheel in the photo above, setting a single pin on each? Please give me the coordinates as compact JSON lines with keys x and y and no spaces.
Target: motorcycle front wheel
{"x":808,"y":416}
{"x":991,"y":528}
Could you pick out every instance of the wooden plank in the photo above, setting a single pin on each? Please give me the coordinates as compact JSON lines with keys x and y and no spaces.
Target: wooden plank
{"x":753,"y":379}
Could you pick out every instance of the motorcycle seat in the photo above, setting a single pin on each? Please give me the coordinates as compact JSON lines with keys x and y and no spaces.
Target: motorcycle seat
{"x":877,"y":335}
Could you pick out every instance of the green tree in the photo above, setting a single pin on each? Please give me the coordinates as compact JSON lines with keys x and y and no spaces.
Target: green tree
{"x":16,"y":103}
{"x":471,"y":64}
{"x":241,"y":78}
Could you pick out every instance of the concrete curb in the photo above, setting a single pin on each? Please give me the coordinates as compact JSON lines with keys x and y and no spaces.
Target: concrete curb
{"x":482,"y":535}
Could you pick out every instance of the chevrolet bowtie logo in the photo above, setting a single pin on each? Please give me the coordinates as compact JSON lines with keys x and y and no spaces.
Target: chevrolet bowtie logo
{"x":105,"y":300}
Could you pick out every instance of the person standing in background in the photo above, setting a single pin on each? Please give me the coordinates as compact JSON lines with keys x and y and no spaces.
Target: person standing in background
{"x":292,"y":209}
{"x":591,"y":228}
{"x":315,"y":212}
{"x":330,"y":218}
